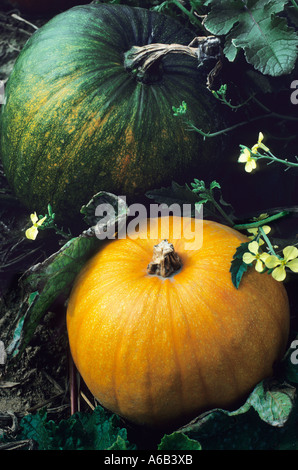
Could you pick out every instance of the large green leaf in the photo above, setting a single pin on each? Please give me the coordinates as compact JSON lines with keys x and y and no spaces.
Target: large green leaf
{"x":99,"y":430}
{"x":264,"y":421}
{"x":269,"y":44}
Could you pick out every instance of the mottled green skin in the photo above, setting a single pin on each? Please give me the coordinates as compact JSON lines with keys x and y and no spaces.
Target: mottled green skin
{"x":76,"y":121}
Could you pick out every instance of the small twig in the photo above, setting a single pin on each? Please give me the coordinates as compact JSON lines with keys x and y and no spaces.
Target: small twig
{"x":73,"y":386}
{"x":18,"y":445}
{"x":53,"y":382}
{"x":87,"y":401}
{"x":273,"y":159}
{"x":3,"y":355}
{"x":192,"y":127}
{"x":17,"y":17}
{"x":44,"y":403}
{"x":273,"y":113}
{"x":17,"y":260}
{"x":221,"y":96}
{"x":9,"y":420}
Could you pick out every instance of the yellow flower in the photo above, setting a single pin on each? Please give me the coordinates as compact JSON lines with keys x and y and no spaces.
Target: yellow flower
{"x":290,"y":260}
{"x":250,"y":162}
{"x":255,"y":230}
{"x":259,"y":144}
{"x":254,"y":255}
{"x":32,"y":232}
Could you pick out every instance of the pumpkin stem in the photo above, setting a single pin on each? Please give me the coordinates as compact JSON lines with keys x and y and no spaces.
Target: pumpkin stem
{"x":140,"y":59}
{"x":165,"y":260}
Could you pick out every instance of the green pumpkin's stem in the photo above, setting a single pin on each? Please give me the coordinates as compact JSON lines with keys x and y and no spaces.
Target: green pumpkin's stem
{"x":165,"y":260}
{"x":139,"y":59}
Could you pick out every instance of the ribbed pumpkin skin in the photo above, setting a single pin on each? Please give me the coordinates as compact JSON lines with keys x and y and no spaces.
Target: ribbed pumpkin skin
{"x":77,"y":122}
{"x":160,"y":351}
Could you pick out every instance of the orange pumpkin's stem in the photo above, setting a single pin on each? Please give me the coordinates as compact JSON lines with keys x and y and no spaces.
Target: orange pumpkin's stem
{"x":165,"y":260}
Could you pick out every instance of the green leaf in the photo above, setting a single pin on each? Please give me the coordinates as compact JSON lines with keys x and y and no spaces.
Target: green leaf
{"x":269,"y":44}
{"x":178,"y":441}
{"x":119,"y":444}
{"x":33,"y":427}
{"x":273,"y":402}
{"x":238,"y":267}
{"x":260,"y":423}
{"x":99,"y":430}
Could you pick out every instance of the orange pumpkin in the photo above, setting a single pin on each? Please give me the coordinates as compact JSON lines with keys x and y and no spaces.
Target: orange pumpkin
{"x":159,"y":350}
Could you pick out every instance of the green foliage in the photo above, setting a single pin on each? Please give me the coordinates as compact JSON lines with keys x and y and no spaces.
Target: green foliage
{"x":44,"y":283}
{"x":272,"y":403}
{"x":99,"y":430}
{"x":267,"y":420}
{"x":187,"y":12}
{"x":261,"y":28}
{"x":221,"y":95}
{"x":196,"y":195}
{"x":180,"y":110}
{"x":49,"y":223}
{"x":269,"y":44}
{"x":207,"y":196}
{"x":178,"y":441}
{"x":204,"y":193}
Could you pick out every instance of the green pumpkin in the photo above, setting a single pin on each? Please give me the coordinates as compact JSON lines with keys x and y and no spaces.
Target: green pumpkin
{"x":77,"y":120}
